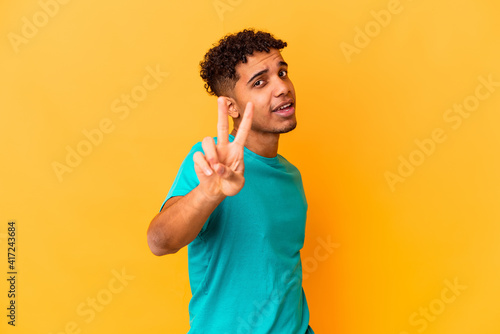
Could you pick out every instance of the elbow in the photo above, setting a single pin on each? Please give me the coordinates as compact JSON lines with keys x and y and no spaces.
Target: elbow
{"x":160,"y":249}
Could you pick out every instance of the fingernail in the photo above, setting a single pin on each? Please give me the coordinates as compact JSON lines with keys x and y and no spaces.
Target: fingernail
{"x":220,"y":170}
{"x":208,"y":171}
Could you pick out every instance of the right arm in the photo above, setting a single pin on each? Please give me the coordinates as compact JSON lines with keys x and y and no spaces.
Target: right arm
{"x":180,"y":221}
{"x":220,"y":172}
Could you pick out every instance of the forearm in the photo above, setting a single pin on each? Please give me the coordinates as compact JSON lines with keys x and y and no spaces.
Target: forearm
{"x":179,"y":223}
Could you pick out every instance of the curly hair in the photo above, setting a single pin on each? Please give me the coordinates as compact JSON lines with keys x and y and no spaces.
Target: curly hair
{"x":218,"y":68}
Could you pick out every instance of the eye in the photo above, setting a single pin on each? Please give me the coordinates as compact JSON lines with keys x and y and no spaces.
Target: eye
{"x":282,"y":73}
{"x":258,"y":83}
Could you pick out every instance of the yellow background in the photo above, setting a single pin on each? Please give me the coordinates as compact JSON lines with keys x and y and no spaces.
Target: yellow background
{"x":396,"y":246}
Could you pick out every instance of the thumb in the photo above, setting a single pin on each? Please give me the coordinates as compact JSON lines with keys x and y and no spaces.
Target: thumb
{"x":224,"y":172}
{"x":221,"y":170}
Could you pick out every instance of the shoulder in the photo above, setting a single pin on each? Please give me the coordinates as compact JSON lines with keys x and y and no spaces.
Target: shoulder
{"x":287,"y":163}
{"x":198,"y":146}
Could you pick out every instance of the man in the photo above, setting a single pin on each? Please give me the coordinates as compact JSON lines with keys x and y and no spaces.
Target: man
{"x":237,"y":203}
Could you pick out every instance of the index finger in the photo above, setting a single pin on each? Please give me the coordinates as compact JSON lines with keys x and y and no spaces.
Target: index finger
{"x":245,"y":125}
{"x":222,"y":122}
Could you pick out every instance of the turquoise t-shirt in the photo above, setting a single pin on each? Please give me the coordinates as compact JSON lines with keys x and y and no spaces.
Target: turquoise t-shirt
{"x":245,"y":270}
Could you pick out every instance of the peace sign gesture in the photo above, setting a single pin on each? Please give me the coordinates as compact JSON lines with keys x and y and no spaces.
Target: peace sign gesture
{"x":220,"y":170}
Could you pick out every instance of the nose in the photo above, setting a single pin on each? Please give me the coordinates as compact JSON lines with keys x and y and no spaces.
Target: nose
{"x":282,"y":87}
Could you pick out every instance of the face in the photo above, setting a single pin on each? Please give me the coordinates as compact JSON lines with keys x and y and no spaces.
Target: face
{"x":264,"y":81}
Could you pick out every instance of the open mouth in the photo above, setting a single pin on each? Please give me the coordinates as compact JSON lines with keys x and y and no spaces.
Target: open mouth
{"x":284,"y":108}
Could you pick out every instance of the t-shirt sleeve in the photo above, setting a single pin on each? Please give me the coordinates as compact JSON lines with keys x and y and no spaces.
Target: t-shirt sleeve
{"x":186,"y":179}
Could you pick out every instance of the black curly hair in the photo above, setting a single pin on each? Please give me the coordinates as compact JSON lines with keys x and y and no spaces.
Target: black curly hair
{"x":218,"y":66}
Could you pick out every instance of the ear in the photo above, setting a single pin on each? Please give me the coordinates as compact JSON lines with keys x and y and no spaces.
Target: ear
{"x":232,"y":107}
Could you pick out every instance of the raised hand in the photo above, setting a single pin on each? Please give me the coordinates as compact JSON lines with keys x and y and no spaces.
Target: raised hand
{"x":220,"y":170}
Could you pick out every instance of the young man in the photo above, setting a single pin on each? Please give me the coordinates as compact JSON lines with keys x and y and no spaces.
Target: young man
{"x":237,"y":203}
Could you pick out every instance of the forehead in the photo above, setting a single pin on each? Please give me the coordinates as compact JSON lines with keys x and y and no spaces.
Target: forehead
{"x":258,"y":61}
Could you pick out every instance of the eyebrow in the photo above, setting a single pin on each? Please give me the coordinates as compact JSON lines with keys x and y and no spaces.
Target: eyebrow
{"x":281,"y":63}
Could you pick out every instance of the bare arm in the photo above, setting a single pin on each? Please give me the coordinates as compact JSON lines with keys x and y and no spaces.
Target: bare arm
{"x":180,"y":221}
{"x":220,"y":172}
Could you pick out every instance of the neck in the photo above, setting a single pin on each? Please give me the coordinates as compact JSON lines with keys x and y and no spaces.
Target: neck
{"x":263,"y":144}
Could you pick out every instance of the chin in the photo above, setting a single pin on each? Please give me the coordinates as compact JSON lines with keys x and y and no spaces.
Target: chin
{"x":286,"y":129}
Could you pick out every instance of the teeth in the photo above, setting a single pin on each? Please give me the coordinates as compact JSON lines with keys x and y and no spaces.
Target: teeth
{"x":285,"y":106}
